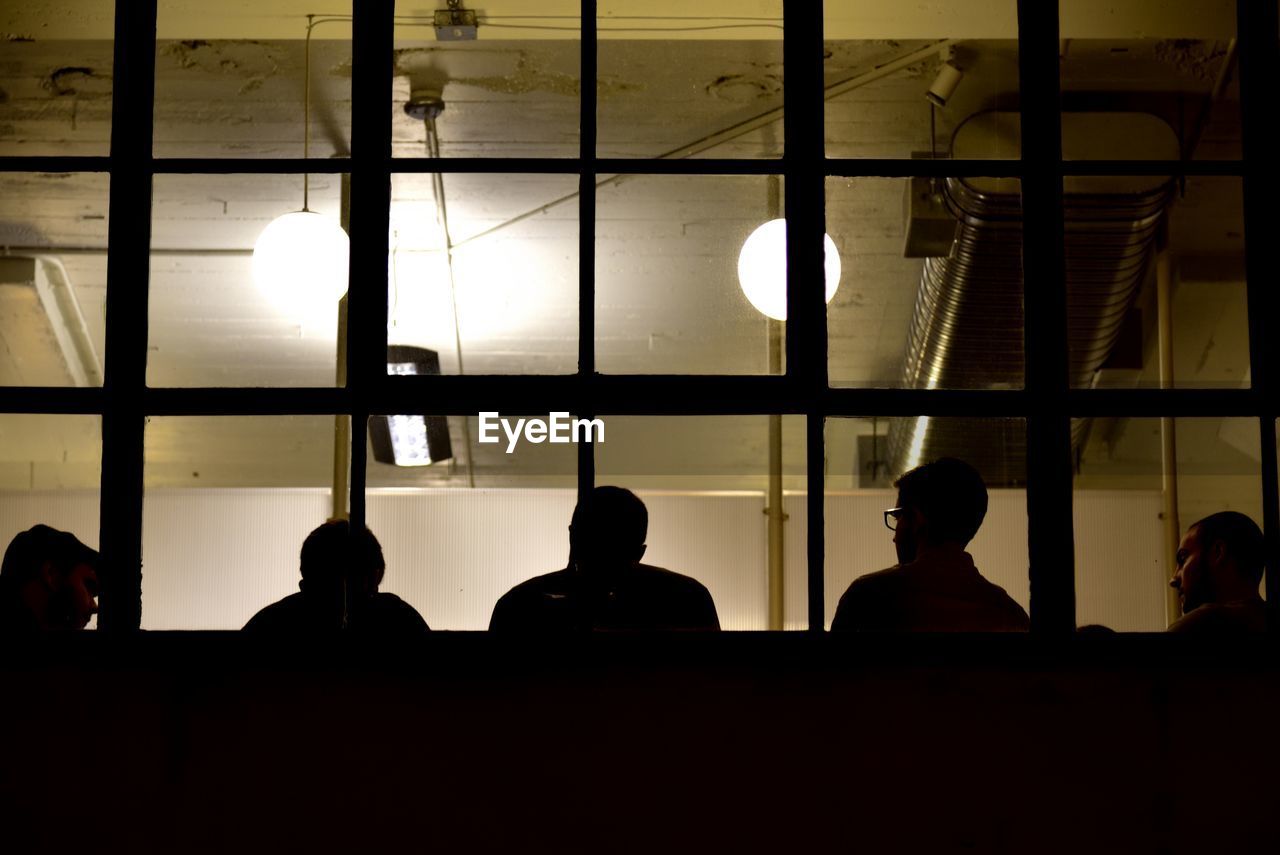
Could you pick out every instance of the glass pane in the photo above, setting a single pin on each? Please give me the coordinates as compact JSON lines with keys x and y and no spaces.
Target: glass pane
{"x":1150,"y":80}
{"x":480,"y":518}
{"x":55,"y":78}
{"x":232,"y":81}
{"x":221,"y":317}
{"x":689,"y":80}
{"x":903,"y":80}
{"x":707,"y":482}
{"x":50,"y":474}
{"x":53,"y":278}
{"x":505,"y":88}
{"x":670,"y":297}
{"x":505,"y":301}
{"x":229,"y":500}
{"x":932,"y":273}
{"x":927,"y":583}
{"x":1117,"y":271}
{"x":1132,"y":510}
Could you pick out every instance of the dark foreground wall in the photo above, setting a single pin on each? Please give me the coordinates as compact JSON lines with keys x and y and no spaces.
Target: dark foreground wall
{"x":470,"y":743}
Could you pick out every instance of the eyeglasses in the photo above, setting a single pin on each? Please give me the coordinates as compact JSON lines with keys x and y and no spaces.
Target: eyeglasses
{"x":892,"y":516}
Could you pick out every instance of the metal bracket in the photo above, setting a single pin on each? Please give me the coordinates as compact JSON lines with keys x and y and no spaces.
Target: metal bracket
{"x":456,"y":24}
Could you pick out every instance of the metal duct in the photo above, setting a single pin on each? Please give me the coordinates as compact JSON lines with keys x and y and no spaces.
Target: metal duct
{"x":967,"y":329}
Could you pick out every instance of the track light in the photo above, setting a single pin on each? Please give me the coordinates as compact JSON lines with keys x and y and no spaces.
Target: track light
{"x":944,"y":85}
{"x":410,"y":440}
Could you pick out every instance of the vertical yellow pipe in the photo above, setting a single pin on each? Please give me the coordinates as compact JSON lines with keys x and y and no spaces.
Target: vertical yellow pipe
{"x":773,"y":509}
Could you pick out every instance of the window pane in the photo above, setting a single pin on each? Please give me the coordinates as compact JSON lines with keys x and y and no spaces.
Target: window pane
{"x":510,"y":89}
{"x":1117,"y":269}
{"x":232,"y":81}
{"x":669,"y":295}
{"x":1125,"y":537}
{"x":218,"y":317}
{"x":53,"y":278}
{"x":706,"y":481}
{"x":901,"y":80}
{"x":932,"y":283}
{"x":55,"y":78}
{"x":511,"y":283}
{"x":461,"y":531}
{"x":688,"y":80}
{"x":229,"y":500}
{"x":864,"y":459}
{"x":1150,"y":80}
{"x":50,"y":474}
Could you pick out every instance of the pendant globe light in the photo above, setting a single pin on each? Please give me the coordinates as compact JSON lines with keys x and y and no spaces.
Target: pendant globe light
{"x":300,"y":259}
{"x":762,"y":268}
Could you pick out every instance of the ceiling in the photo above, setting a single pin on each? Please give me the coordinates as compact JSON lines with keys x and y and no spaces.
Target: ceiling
{"x":667,"y":294}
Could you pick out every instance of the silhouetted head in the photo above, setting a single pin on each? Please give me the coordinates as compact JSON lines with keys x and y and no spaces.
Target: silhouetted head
{"x":1219,"y":560}
{"x":608,"y":530}
{"x":942,"y":502}
{"x":334,"y":554}
{"x":54,"y":575}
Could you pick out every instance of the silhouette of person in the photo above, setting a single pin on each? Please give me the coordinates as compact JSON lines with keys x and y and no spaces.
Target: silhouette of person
{"x":49,"y":580}
{"x":935,"y":586}
{"x":1219,"y":568}
{"x":605,"y":587}
{"x":341,"y":571}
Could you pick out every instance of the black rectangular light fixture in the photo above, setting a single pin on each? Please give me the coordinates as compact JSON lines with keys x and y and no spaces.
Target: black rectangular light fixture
{"x":410,"y":440}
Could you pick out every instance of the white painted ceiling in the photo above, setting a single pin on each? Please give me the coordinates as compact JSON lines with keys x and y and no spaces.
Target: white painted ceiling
{"x":668,"y":299}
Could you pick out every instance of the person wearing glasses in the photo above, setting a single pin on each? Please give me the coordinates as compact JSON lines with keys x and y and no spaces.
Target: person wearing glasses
{"x":935,"y":586}
{"x":1219,"y":569}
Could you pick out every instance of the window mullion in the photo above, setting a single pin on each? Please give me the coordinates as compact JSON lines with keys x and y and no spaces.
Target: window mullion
{"x":128,"y":262}
{"x":1258,"y":25}
{"x":1050,"y":538}
{"x":372,"y":58}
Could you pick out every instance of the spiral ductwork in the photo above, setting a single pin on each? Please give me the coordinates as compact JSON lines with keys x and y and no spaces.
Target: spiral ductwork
{"x":967,"y":329}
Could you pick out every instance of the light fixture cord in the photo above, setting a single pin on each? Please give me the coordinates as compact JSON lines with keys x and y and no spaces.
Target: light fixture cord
{"x":442,"y":217}
{"x":306,"y":110}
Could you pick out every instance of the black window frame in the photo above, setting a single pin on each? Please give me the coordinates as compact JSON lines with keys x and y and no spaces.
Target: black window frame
{"x":1047,"y":402}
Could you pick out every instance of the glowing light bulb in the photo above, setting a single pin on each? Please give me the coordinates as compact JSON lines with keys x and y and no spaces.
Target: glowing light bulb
{"x":762,"y":268}
{"x":300,"y":263}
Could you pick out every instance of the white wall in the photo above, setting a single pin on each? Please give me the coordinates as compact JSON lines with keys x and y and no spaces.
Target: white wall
{"x":213,"y":557}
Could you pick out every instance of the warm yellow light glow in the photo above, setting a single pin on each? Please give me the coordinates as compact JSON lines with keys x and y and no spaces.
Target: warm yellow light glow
{"x":762,"y":268}
{"x":300,"y":263}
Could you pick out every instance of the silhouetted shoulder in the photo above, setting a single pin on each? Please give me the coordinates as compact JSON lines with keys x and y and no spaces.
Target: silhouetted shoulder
{"x":524,"y":606}
{"x":639,"y":598}
{"x":677,"y":581}
{"x":1223,"y":619}
{"x":1015,"y":616}
{"x":390,"y":614}
{"x":867,"y":603}
{"x":281,"y":616}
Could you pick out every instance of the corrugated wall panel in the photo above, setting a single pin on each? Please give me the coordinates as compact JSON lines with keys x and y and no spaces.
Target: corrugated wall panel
{"x":1120,"y":566}
{"x":721,"y":542}
{"x":75,"y":511}
{"x":452,"y":553}
{"x":211,"y":558}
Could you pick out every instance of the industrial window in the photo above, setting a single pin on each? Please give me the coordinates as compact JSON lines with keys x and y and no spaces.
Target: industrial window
{"x":1025,"y":234}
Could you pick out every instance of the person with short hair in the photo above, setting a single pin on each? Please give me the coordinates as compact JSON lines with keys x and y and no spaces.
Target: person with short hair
{"x":48,"y":581}
{"x":935,"y":586}
{"x":1219,"y":568}
{"x":605,"y":587}
{"x":341,"y":570}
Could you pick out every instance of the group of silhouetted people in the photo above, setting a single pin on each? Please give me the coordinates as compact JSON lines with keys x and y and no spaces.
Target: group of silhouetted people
{"x":49,"y":579}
